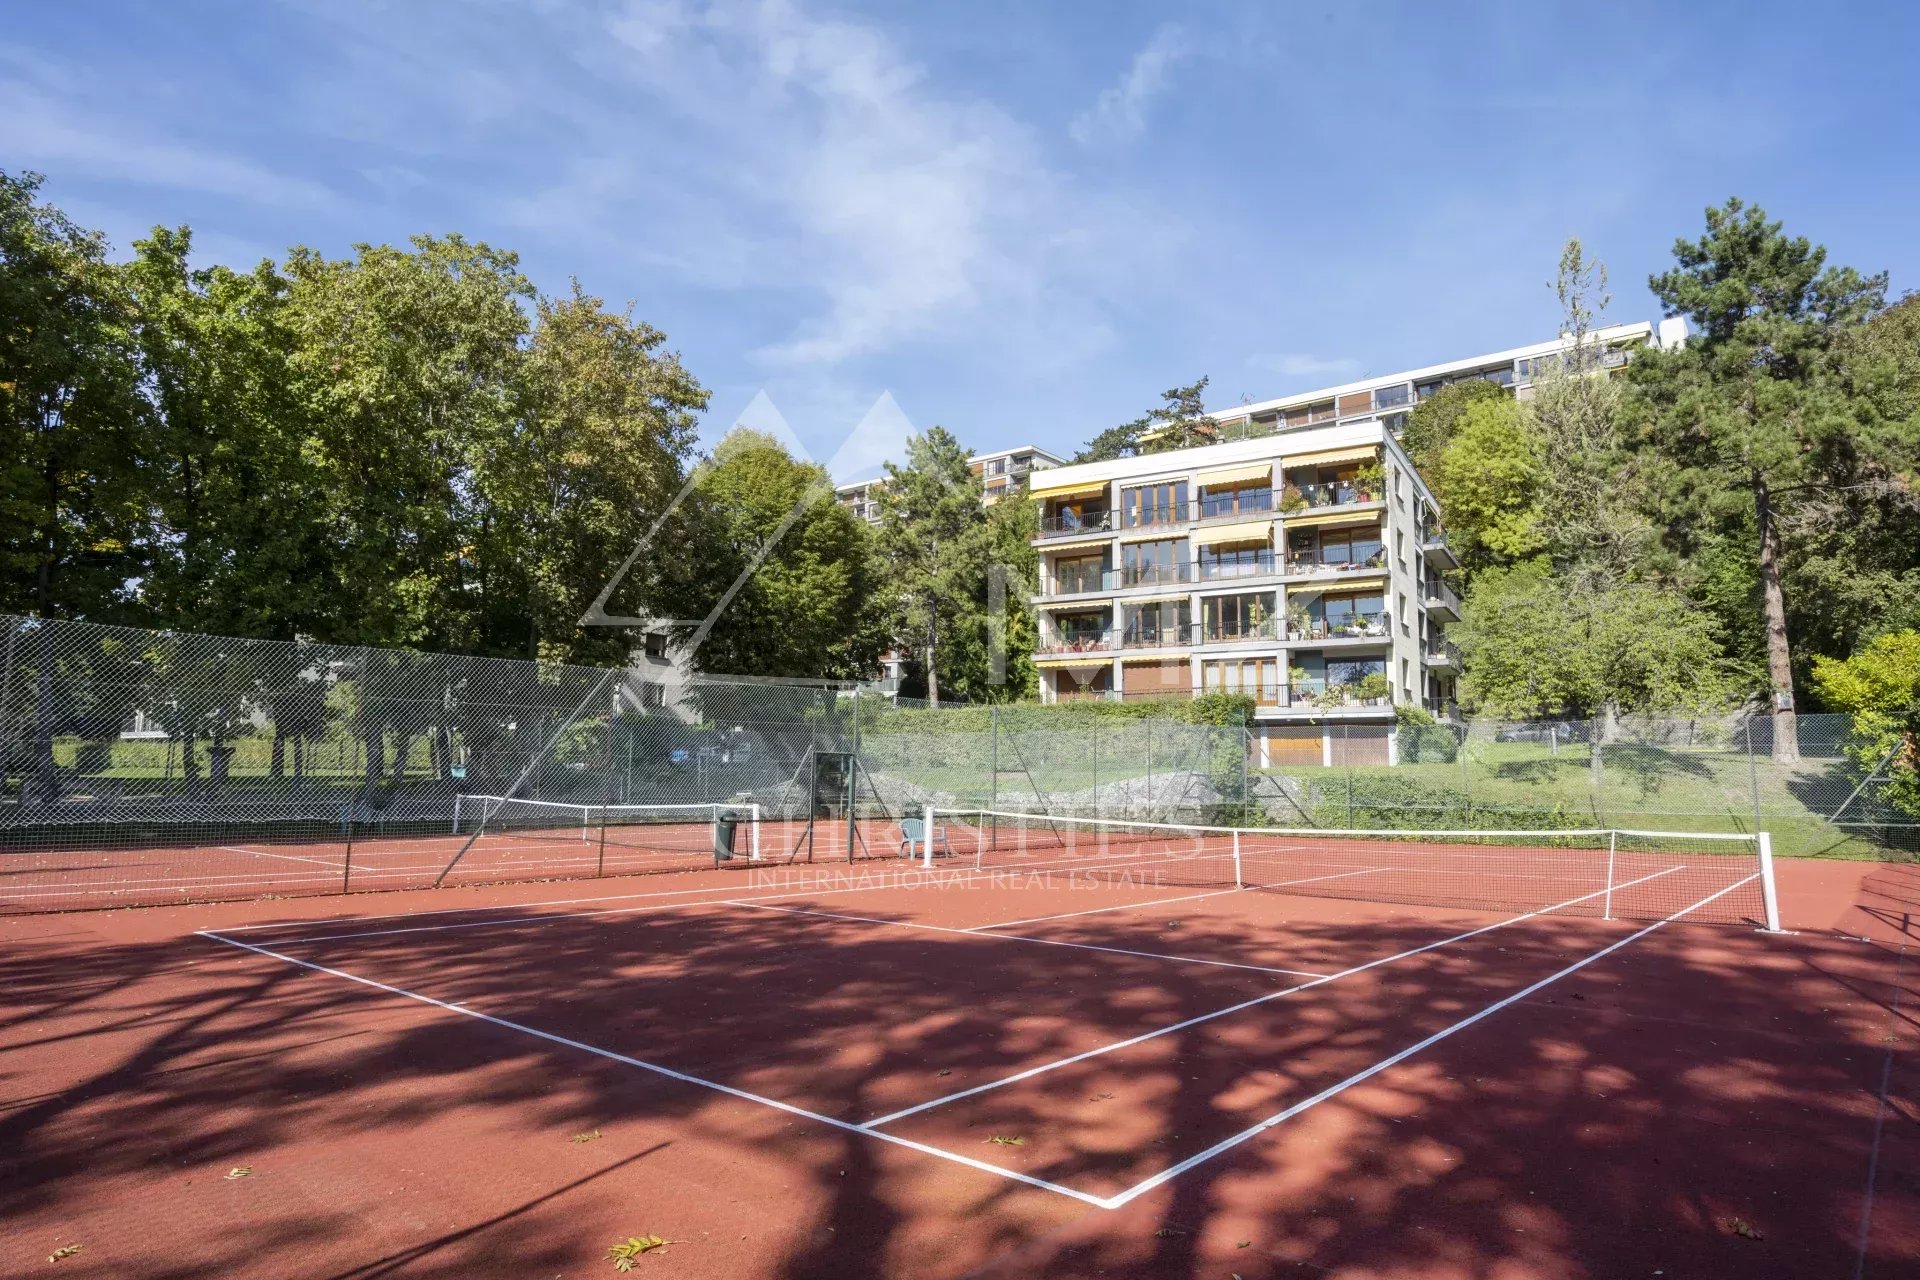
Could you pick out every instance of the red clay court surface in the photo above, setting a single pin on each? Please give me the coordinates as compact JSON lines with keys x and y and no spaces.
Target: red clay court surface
{"x":802,"y":1073}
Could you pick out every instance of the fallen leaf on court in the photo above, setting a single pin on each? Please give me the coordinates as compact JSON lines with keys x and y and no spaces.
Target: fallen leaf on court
{"x":1002,"y":1140}
{"x":1168,"y":1233}
{"x":1243,"y":1244}
{"x":623,"y":1254}
{"x":944,"y":1071}
{"x":240,"y":1171}
{"x":1100,"y":1097}
{"x":1741,"y":1227}
{"x":588,"y":1136}
{"x":1173,"y":924}
{"x":64,"y":1251}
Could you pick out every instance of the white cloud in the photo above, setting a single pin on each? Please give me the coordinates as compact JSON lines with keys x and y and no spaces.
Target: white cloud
{"x":1119,"y":114}
{"x":1300,"y":364}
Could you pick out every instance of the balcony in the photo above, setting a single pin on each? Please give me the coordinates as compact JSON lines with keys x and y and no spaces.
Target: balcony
{"x":1318,"y":496}
{"x":1261,"y":566}
{"x":1444,"y":656}
{"x":1433,"y":545}
{"x":1356,"y":626}
{"x":1312,"y":567}
{"x":1241,"y":505}
{"x":1441,"y":600}
{"x":1066,"y":526}
{"x":1174,"y":637}
{"x":1074,"y":642}
{"x":1238,"y":633}
{"x":1149,"y":575}
{"x":1308,"y":696}
{"x":1076,"y":582}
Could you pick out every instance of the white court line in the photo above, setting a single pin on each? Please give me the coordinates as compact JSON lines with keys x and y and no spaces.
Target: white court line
{"x":1055,"y":1065}
{"x":844,"y":1125}
{"x":1016,"y":937}
{"x":263,"y":853}
{"x":1068,"y":915}
{"x":1226,"y":1144}
{"x":1880,"y":1118}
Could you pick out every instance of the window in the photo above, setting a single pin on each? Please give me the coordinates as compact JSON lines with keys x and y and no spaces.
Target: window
{"x":1390,"y":397}
{"x":657,"y":645}
{"x":1245,"y":617}
{"x":1257,"y":676}
{"x":1356,"y":614}
{"x":1163,"y":622}
{"x":1144,"y":562}
{"x":1083,"y":573}
{"x":1152,"y":504}
{"x":1356,"y":547}
{"x":1249,"y":499}
{"x":1406,"y":628}
{"x":652,"y":695}
{"x":1235,"y":560}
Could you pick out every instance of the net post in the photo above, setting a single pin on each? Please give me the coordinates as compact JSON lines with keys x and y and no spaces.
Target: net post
{"x":926,"y":836}
{"x":456,"y":813}
{"x":1769,"y":895}
{"x":600,"y":858}
{"x":753,"y":833}
{"x":1613,"y":843}
{"x":980,"y":841}
{"x":1239,"y":874}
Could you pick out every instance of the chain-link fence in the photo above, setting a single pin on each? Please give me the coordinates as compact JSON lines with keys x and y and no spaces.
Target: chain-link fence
{"x":1702,"y":774}
{"x":144,"y":766}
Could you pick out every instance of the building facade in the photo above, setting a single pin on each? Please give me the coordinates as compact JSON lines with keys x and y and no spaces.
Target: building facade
{"x":1298,"y":561}
{"x":1000,"y":473}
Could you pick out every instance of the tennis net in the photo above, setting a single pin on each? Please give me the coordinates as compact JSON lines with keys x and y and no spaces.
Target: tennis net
{"x":1604,"y":872}
{"x":615,"y":837}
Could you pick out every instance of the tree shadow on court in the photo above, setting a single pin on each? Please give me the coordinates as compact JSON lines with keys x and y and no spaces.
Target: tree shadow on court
{"x":1703,"y":1103}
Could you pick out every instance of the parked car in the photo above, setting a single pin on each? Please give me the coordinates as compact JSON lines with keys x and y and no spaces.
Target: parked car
{"x":1543,"y":731}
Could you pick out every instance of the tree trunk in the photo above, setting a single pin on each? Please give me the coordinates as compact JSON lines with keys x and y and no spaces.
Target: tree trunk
{"x":933,"y":675}
{"x":277,"y":766}
{"x":1786,"y":738}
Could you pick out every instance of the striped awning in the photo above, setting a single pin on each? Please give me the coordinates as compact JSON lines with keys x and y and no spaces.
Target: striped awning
{"x":1069,"y":542}
{"x":1085,"y":489}
{"x":1130,"y":601}
{"x":1358,"y":453}
{"x":1307,"y":519}
{"x":1075,"y":660}
{"x":1237,"y":475}
{"x":1153,"y":532}
{"x":1245,"y":531}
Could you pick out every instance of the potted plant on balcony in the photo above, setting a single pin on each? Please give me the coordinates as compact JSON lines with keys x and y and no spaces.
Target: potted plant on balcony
{"x":1298,"y":620}
{"x":1292,"y":501}
{"x":1332,"y":696}
{"x":1370,"y":480}
{"x":1372,"y":688}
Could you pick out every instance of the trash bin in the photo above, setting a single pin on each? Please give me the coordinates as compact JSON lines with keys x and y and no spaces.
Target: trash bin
{"x":724,"y":824}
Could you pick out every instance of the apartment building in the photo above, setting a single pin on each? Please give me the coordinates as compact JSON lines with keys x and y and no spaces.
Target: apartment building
{"x":1299,"y":561}
{"x":1000,"y":473}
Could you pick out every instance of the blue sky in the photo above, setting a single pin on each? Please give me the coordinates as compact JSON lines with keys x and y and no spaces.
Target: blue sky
{"x":1020,"y":221}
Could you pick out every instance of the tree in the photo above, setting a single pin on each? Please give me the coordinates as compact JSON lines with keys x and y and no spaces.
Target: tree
{"x":1489,"y":482}
{"x":1012,"y":524}
{"x":72,"y":425}
{"x":1879,"y":686}
{"x":1432,"y":422}
{"x":932,"y":531}
{"x":1747,"y":415}
{"x":1180,"y":421}
{"x":806,"y":608}
{"x":1535,"y":646}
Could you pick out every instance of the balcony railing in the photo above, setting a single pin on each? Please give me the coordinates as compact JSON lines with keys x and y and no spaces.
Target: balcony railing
{"x":1076,"y":642}
{"x":1443,"y":654}
{"x":1174,"y":637}
{"x":1260,"y":566}
{"x":1441,"y":597}
{"x":1306,"y":695}
{"x":1067,"y":525}
{"x":1354,"y":626}
{"x":1080,"y":580}
{"x":1244,"y":504}
{"x":1335,"y":495}
{"x":1308,"y":565}
{"x":1238,"y":632}
{"x":1151,"y":575}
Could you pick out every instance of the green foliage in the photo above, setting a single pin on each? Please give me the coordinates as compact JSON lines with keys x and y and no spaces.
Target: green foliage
{"x":1431,"y":423}
{"x":1421,"y":739}
{"x":1489,"y":484}
{"x":1535,"y":646}
{"x":1879,"y":687}
{"x":933,"y":533}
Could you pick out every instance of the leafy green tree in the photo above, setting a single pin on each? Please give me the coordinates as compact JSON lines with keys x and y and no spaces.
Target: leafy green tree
{"x":1747,"y":417}
{"x":1535,"y":646}
{"x":1012,"y":524}
{"x":72,"y":425}
{"x":1489,"y":482}
{"x":1880,"y":688}
{"x":604,"y":428}
{"x":1432,"y":422}
{"x":807,"y":607}
{"x":933,"y":535}
{"x":1180,"y":421}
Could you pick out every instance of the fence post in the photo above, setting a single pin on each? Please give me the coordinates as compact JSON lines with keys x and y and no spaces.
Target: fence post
{"x":1149,"y":810}
{"x":993,"y":778}
{"x":1769,"y":896}
{"x":1346,"y":751}
{"x":1753,"y":774}
{"x":926,"y":836}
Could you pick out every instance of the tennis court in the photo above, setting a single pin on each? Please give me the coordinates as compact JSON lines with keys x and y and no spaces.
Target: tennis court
{"x":1036,"y":1046}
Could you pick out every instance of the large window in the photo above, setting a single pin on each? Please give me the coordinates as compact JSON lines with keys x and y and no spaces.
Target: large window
{"x":1257,"y":676}
{"x":1250,"y":499}
{"x":1360,"y":546}
{"x":1235,"y":560}
{"x":1148,"y":562}
{"x":1243,"y":617}
{"x":1163,"y":622}
{"x":1153,"y":504}
{"x":1361,"y":613}
{"x":1081,"y":573}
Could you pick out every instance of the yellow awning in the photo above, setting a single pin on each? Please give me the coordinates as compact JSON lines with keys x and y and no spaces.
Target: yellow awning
{"x":1085,"y":489}
{"x":1154,"y":532}
{"x":1071,"y":542}
{"x":1245,"y":531}
{"x":1075,"y":660}
{"x":1237,"y":475}
{"x":1130,"y":601}
{"x":1359,"y":453}
{"x":1084,"y":606}
{"x":1305,"y":519}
